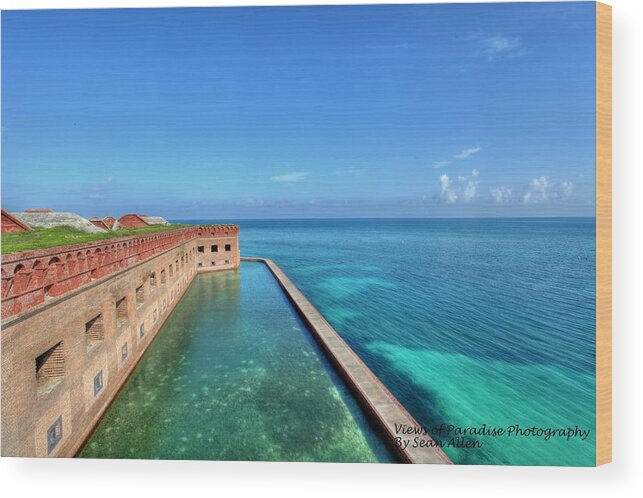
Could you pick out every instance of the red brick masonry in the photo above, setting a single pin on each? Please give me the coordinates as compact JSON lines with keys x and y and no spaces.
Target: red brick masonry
{"x":12,"y":224}
{"x":29,"y":278}
{"x":132,"y":221}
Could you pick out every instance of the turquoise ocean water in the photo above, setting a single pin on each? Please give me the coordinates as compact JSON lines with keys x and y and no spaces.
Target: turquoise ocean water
{"x":467,"y":322}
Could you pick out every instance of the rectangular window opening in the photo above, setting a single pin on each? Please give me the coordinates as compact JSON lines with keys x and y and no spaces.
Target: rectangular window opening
{"x":140,"y":296}
{"x":54,"y":434}
{"x":122,"y":313}
{"x":214,"y":248}
{"x":94,"y":331}
{"x":162,"y":277}
{"x":98,"y":383}
{"x":50,"y":368}
{"x":201,"y":249}
{"x":228,"y":247}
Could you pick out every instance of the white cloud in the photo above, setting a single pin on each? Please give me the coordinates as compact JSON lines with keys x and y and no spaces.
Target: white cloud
{"x":464,"y":189}
{"x":467,"y":153}
{"x":446,"y":192}
{"x":501,"y":195}
{"x":444,"y":183}
{"x":295,"y":176}
{"x":463,"y":154}
{"x":537,"y":191}
{"x":475,"y":173}
{"x":566,"y":188}
{"x":542,"y":189}
{"x":497,"y":47}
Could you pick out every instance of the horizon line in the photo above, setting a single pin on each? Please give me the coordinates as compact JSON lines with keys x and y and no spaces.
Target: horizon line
{"x":392,"y":218}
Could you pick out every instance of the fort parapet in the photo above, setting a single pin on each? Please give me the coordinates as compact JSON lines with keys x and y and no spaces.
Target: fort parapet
{"x":30,"y":278}
{"x":76,"y":319}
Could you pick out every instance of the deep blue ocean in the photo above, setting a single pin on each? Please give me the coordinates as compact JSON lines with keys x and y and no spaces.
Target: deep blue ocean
{"x":467,"y":321}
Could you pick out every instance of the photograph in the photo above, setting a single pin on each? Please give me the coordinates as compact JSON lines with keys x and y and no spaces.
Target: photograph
{"x":333,"y":233}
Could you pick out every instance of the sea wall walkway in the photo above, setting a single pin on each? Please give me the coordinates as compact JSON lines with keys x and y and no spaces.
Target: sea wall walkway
{"x":378,"y":401}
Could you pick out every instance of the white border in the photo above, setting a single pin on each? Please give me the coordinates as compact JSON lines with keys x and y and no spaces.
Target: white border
{"x":110,"y":478}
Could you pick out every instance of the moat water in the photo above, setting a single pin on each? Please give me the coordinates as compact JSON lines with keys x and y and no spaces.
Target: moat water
{"x":234,"y":374}
{"x":467,"y":322}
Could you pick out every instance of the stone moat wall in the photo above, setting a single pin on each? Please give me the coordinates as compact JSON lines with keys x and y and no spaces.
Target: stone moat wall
{"x":77,"y":319}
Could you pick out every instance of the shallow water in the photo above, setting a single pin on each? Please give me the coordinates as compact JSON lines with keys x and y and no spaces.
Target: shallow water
{"x":467,"y":322}
{"x":235,"y":375}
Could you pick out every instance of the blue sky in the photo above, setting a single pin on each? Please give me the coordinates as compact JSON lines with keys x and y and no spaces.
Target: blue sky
{"x":425,"y":110}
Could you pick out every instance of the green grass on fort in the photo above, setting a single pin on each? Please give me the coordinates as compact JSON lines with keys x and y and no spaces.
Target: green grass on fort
{"x":44,"y":238}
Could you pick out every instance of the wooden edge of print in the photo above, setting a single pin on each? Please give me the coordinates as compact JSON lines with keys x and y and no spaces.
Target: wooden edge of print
{"x":603,"y":233}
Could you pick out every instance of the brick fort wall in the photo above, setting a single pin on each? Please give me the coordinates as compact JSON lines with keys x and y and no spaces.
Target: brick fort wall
{"x":74,"y":328}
